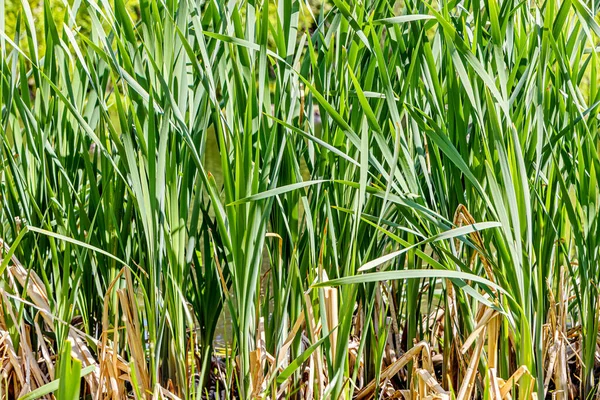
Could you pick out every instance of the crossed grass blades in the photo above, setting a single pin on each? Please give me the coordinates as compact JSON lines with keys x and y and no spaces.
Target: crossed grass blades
{"x":406,"y":202}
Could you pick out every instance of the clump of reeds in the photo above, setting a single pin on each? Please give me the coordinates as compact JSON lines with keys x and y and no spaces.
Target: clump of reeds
{"x":395,"y":200}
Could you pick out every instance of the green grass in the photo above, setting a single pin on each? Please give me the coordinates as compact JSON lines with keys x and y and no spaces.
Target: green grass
{"x":407,"y":199}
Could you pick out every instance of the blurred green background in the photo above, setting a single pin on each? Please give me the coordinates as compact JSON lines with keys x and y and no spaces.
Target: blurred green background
{"x":61,"y":8}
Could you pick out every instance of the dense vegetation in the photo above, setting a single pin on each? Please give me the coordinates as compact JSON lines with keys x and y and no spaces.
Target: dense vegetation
{"x":385,"y":200}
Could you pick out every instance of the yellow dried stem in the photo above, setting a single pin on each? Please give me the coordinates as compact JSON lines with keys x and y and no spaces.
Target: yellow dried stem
{"x":331,"y":312}
{"x":493,"y":333}
{"x":494,"y":387}
{"x":469,"y":379}
{"x":422,"y":391}
{"x":432,"y":383}
{"x":134,"y":342}
{"x":393,"y":369}
{"x":479,"y":328}
{"x":512,"y":381}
